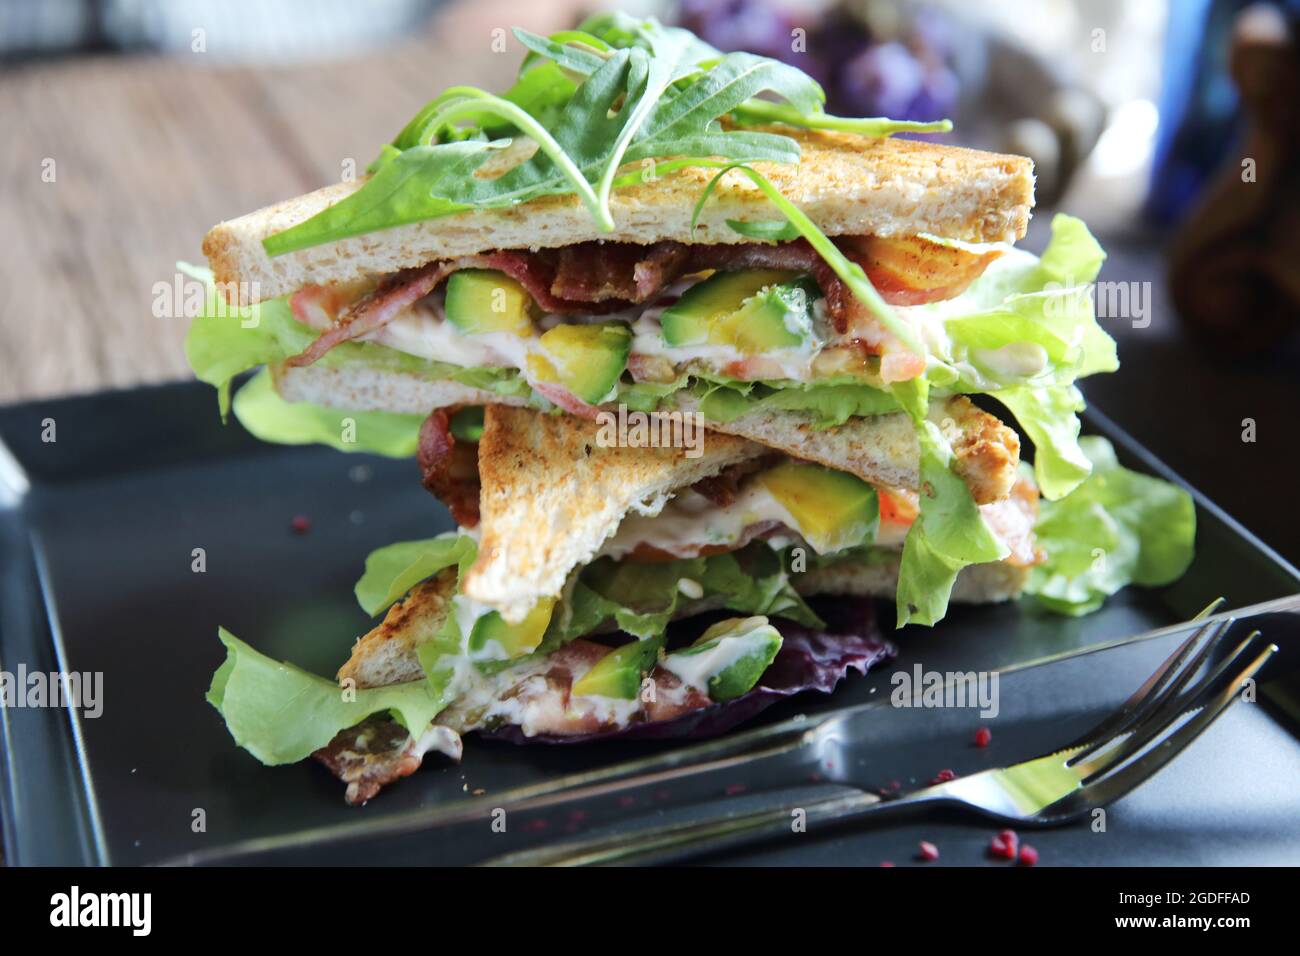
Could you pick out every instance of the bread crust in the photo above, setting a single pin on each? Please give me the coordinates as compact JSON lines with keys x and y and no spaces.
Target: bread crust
{"x":360,"y":389}
{"x":552,"y":492}
{"x":386,"y":654}
{"x":847,"y":184}
{"x":976,"y":584}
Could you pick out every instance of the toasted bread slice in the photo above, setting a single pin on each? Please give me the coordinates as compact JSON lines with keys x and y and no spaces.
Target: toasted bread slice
{"x":880,"y":449}
{"x":360,"y":389}
{"x":386,"y":655}
{"x":847,"y":184}
{"x":552,"y":492}
{"x":976,"y":584}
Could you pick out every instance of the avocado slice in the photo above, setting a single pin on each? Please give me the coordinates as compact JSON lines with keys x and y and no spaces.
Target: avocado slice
{"x":588,"y":360}
{"x":619,"y":673}
{"x":728,"y":658}
{"x":484,"y":300}
{"x":754,"y":310}
{"x":832,"y":509}
{"x":515,"y":640}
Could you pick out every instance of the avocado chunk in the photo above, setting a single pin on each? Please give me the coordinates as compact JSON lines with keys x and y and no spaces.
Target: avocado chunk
{"x":728,"y":659}
{"x":833,"y":510}
{"x":619,"y":673}
{"x":514,"y":640}
{"x":484,"y":300}
{"x":754,"y":311}
{"x":588,"y":360}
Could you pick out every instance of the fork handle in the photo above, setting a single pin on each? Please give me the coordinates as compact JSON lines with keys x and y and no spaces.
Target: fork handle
{"x":718,"y":832}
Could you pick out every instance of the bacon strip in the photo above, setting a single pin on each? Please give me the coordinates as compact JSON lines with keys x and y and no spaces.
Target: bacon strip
{"x":376,"y":310}
{"x":370,"y":756}
{"x":378,"y":751}
{"x":723,"y":487}
{"x":448,"y":469}
{"x":536,"y":272}
{"x":621,"y":272}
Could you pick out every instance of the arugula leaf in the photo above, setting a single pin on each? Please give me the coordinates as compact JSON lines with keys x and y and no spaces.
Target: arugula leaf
{"x":849,"y":272}
{"x":765,"y":230}
{"x":763,"y":111}
{"x":652,"y":92}
{"x":414,"y":185}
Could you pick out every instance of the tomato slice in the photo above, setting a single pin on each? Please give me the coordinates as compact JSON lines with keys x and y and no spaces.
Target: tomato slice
{"x":913,"y":271}
{"x":895,"y":509}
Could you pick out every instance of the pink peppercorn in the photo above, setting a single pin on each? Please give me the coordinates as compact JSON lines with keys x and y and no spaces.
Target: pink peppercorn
{"x":1004,"y":845}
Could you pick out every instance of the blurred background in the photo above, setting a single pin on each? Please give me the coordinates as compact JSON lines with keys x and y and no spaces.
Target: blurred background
{"x":1169,"y":125}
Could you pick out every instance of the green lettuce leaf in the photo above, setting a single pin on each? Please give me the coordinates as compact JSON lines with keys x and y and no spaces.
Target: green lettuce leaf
{"x":1048,"y":416}
{"x":1039,"y":310}
{"x":224,"y":340}
{"x":949,"y":534}
{"x":828,"y":403}
{"x":925,"y":581}
{"x":267,"y":416}
{"x":393,"y":570}
{"x":1118,"y":527}
{"x":282,"y":714}
{"x":1024,"y":333}
{"x":643,"y":597}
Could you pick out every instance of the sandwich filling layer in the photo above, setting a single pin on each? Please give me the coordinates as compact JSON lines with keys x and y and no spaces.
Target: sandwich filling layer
{"x":747,"y":312}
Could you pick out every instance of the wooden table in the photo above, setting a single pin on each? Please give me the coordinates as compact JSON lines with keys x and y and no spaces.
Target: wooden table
{"x":150,"y":152}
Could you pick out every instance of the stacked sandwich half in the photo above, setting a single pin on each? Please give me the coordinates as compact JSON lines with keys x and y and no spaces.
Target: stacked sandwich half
{"x":690,"y":363}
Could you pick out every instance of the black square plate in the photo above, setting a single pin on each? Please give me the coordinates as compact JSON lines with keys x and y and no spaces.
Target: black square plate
{"x":98,"y":531}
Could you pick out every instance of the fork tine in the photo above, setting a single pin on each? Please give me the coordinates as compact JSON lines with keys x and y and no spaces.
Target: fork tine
{"x":1111,"y":787}
{"x":1158,"y":721}
{"x":1173,"y":673}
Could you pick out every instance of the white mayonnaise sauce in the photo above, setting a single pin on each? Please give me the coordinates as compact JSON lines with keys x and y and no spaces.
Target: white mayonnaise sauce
{"x":439,"y":738}
{"x":1016,"y":360}
{"x":690,"y":521}
{"x":694,"y":670}
{"x":422,"y":331}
